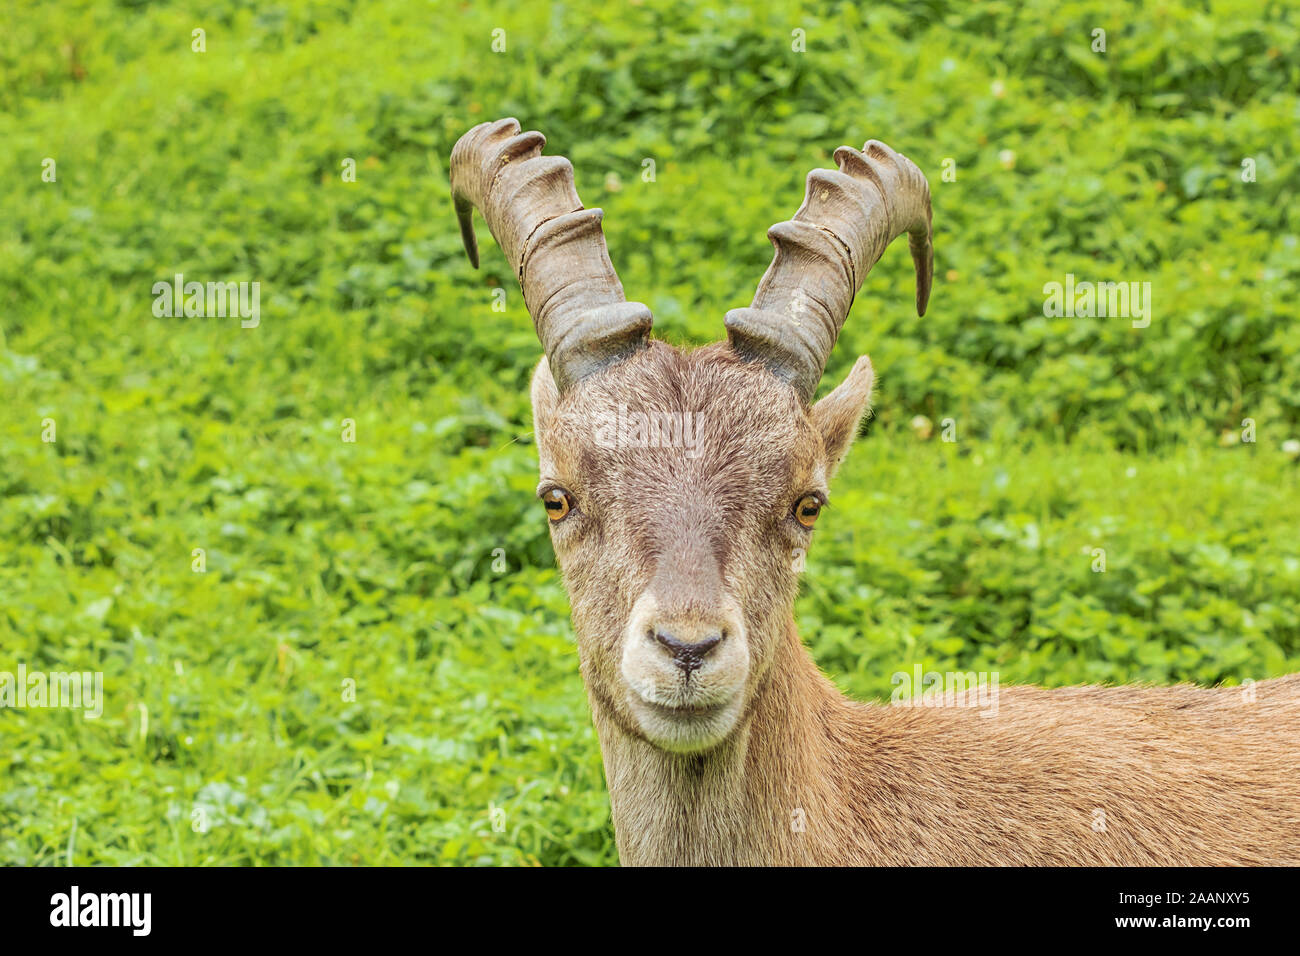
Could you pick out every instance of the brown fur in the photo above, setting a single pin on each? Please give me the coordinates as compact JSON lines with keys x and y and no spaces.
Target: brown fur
{"x":1181,"y":775}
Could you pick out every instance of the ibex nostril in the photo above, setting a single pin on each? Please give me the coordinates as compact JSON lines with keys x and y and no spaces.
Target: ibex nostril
{"x":688,"y":655}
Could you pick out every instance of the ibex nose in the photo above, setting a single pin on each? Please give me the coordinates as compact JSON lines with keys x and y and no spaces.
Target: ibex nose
{"x":688,"y":655}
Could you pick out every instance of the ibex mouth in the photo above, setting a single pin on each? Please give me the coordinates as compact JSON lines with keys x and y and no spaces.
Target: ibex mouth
{"x":686,"y":728}
{"x":687,"y":710}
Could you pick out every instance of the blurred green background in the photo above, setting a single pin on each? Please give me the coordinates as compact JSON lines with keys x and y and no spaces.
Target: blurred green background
{"x":329,"y":561}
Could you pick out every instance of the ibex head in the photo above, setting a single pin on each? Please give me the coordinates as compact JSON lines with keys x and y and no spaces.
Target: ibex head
{"x":682,"y":487}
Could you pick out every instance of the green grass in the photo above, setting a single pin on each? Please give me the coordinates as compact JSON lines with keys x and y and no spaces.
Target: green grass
{"x":373,"y":562}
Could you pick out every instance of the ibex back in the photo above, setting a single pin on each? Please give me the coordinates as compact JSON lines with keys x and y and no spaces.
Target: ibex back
{"x":681,"y":486}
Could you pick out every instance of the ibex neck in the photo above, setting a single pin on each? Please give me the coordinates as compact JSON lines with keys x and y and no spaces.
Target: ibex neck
{"x":758,"y":799}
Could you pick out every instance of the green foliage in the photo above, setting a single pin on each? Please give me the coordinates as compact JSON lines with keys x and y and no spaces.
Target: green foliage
{"x":372,"y":561}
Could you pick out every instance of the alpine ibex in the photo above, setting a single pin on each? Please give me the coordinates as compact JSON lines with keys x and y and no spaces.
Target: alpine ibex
{"x":723,"y":743}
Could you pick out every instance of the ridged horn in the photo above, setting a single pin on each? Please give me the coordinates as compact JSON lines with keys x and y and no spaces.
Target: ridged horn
{"x":848,"y":217}
{"x":555,"y":246}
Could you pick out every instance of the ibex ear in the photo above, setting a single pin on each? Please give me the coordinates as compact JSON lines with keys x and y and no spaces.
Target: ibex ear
{"x":837,"y":415}
{"x":545,"y":397}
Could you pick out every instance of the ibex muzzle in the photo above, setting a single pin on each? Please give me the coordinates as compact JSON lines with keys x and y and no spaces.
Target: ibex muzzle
{"x":685,"y":656}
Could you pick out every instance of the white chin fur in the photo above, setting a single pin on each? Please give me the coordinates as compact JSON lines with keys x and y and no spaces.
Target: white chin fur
{"x":685,"y":732}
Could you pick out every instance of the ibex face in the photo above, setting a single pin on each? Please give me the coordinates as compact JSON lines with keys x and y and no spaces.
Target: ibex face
{"x":682,"y":487}
{"x":681,"y":490}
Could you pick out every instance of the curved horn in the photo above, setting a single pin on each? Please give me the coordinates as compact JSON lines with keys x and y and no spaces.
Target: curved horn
{"x":848,"y":217}
{"x":555,"y":246}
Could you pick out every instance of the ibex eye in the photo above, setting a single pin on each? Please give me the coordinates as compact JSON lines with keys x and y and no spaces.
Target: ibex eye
{"x":807,"y":509}
{"x":558,"y":503}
